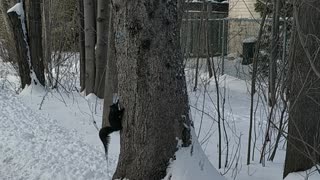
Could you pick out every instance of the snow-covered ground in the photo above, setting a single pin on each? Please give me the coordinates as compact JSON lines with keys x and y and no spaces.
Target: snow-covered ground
{"x":33,"y":146}
{"x":49,"y":134}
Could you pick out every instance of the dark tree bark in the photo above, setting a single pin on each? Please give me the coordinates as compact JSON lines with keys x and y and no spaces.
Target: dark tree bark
{"x":152,"y":87}
{"x":21,"y":48}
{"x":81,"y":45}
{"x":89,"y":29}
{"x":304,"y":116}
{"x":274,"y":53}
{"x":111,"y":79}
{"x":101,"y":46}
{"x":7,"y":33}
{"x":35,"y":39}
{"x":46,"y":7}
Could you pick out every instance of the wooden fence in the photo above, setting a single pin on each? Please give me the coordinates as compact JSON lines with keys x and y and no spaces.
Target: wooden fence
{"x":204,"y":29}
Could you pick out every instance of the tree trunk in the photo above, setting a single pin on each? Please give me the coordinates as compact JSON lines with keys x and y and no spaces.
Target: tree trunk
{"x":35,"y":39}
{"x":47,"y":39}
{"x":152,"y":87}
{"x":111,"y":79}
{"x":102,"y":46}
{"x":303,"y":129}
{"x":7,"y":35}
{"x":89,"y":29}
{"x":81,"y":45}
{"x":21,"y":47}
{"x":4,"y":6}
{"x":274,"y":53}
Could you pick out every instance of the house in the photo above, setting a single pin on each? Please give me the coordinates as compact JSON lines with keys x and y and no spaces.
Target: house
{"x":242,"y":9}
{"x":243,"y":24}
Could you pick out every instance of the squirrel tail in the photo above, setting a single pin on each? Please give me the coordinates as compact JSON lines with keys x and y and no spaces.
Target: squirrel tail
{"x":104,"y":135}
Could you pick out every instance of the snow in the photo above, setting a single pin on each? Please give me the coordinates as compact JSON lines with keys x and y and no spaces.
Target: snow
{"x":18,"y":8}
{"x":50,"y":134}
{"x":59,"y":141}
{"x":250,"y":40}
{"x":191,"y":163}
{"x":311,"y":174}
{"x":35,"y":147}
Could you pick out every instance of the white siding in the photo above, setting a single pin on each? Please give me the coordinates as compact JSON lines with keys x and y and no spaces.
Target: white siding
{"x":242,"y":9}
{"x":240,"y":29}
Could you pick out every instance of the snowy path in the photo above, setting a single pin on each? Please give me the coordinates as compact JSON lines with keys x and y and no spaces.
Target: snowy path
{"x":33,"y":147}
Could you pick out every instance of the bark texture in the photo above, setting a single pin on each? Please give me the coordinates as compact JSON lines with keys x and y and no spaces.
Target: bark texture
{"x":81,"y":45}
{"x":6,"y":33}
{"x":274,"y":53}
{"x":47,"y":39}
{"x":21,"y":48}
{"x":304,"y":116}
{"x":89,"y":29}
{"x":152,"y":87}
{"x":102,"y":46}
{"x":35,"y":39}
{"x":111,"y":79}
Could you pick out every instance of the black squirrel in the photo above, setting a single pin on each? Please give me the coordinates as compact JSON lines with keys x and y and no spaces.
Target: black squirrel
{"x":115,"y":117}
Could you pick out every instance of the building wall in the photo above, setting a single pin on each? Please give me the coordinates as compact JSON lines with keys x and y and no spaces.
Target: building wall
{"x":241,"y":30}
{"x":241,"y":24}
{"x":242,"y":9}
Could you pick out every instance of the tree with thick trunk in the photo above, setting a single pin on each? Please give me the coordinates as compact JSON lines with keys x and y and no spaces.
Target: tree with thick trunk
{"x":303,"y":146}
{"x":151,"y":85}
{"x":6,"y":33}
{"x":35,"y":39}
{"x":21,"y":45}
{"x":102,"y":46}
{"x":89,"y":30}
{"x":4,"y":6}
{"x":111,"y":79}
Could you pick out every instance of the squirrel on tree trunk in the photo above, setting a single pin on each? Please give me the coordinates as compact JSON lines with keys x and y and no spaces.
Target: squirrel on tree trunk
{"x":115,"y":117}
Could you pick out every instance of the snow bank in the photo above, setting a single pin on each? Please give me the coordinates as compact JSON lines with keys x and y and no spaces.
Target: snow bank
{"x":35,"y":147}
{"x":191,"y":163}
{"x":311,"y":174}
